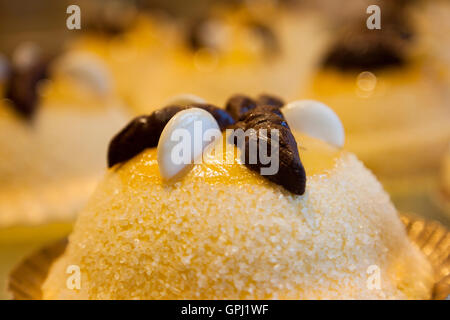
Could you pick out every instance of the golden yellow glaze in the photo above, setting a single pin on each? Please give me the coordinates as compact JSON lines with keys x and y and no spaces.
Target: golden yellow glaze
{"x":317,"y":157}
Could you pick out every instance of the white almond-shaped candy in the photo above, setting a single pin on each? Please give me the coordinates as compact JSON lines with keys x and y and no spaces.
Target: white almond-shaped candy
{"x":86,"y":69}
{"x":184,"y":99}
{"x":184,"y":139}
{"x":315,"y":119}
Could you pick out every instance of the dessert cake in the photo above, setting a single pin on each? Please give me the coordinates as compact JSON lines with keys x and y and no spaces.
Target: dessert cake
{"x":321,"y":227}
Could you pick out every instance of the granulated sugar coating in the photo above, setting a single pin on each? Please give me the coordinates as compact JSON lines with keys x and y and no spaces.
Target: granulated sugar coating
{"x":224,"y":232}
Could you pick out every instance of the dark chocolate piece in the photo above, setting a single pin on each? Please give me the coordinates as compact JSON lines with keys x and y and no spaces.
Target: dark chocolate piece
{"x":21,"y":86}
{"x":270,"y":100}
{"x":291,"y":174}
{"x":143,"y":132}
{"x":262,"y":108}
{"x":239,"y":104}
{"x":223,"y":118}
{"x":366,"y":55}
{"x":360,"y":49}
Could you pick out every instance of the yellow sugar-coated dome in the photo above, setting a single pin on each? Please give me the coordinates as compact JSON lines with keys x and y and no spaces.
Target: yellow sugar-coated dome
{"x":225,"y":232}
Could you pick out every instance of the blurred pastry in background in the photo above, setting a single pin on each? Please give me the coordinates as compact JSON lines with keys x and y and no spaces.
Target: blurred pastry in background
{"x":56,"y":116}
{"x":390,"y":98}
{"x":223,"y":231}
{"x":135,"y":44}
{"x":112,"y":17}
{"x":442,"y":196}
{"x":431,"y":19}
{"x":213,"y":55}
{"x":446,"y":173}
{"x":243,"y":50}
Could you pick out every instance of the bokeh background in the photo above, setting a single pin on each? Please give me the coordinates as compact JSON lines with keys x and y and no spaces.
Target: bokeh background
{"x":421,"y":190}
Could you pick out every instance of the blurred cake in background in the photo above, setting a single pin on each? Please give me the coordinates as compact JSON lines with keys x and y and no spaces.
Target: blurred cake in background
{"x":446,"y":173}
{"x":254,"y":48}
{"x":389,"y":96}
{"x":442,"y":195}
{"x":431,"y":19}
{"x":135,"y":44}
{"x":56,"y":116}
{"x":247,"y":47}
{"x":246,"y":51}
